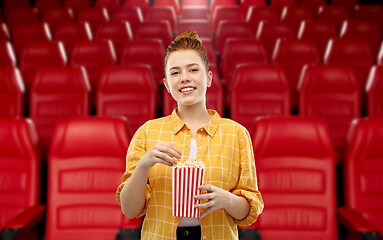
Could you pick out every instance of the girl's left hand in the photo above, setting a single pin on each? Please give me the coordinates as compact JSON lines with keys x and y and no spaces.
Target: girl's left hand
{"x":217,"y":199}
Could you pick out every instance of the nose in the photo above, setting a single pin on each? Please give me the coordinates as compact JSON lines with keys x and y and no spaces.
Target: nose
{"x":183,"y":77}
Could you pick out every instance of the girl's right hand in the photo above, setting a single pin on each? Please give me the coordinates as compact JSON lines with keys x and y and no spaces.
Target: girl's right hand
{"x":163,"y":152}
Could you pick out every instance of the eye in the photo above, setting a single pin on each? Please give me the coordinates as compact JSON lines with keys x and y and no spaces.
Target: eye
{"x":194,"y":70}
{"x":174,"y":73}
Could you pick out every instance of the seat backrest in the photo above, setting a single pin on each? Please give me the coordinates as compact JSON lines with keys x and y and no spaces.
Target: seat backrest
{"x":40,"y":54}
{"x":224,"y":13}
{"x":10,"y":4}
{"x":358,"y":29}
{"x":318,"y":31}
{"x":77,"y":5}
{"x":145,"y":51}
{"x":94,"y":16}
{"x":372,"y":12}
{"x":294,"y":15}
{"x":118,"y":32}
{"x":17,"y":16}
{"x":257,"y":14}
{"x":374,"y":91}
{"x":270,"y":32}
{"x":43,"y":5}
{"x":133,"y":15}
{"x":4,"y":32}
{"x":202,"y":27}
{"x":355,"y":53}
{"x":85,"y":164}
{"x":57,"y":16}
{"x":219,"y":3}
{"x":293,"y":55}
{"x":163,"y":13}
{"x":28,"y":33}
{"x":208,"y":46}
{"x":331,"y":93}
{"x":314,"y":5}
{"x":20,"y":167}
{"x":247,"y":4}
{"x":160,"y":29}
{"x":56,"y":93}
{"x":349,"y":4}
{"x":258,"y":90}
{"x":94,"y":55}
{"x":129,"y":91}
{"x":238,"y":51}
{"x":110,"y":5}
{"x":335,"y":14}
{"x":11,"y":93}
{"x":231,"y":29}
{"x":194,"y":12}
{"x":363,"y":169}
{"x":174,"y":4}
{"x":7,"y":55}
{"x":296,"y":174}
{"x":70,"y":33}
{"x":143,"y":5}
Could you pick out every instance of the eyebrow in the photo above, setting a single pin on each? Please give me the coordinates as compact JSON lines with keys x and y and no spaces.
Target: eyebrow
{"x":189,"y":65}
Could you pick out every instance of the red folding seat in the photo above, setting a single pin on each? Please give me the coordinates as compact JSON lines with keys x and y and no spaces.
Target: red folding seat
{"x":374,"y":91}
{"x":318,"y":31}
{"x":110,"y":5}
{"x":12,"y":93}
{"x":336,"y":14}
{"x":355,"y":53}
{"x":294,"y":161}
{"x":118,"y":32}
{"x":43,"y":5}
{"x":133,"y":15}
{"x":207,"y":45}
{"x":362,"y":214}
{"x":40,"y":54}
{"x":70,"y":33}
{"x":9,"y":4}
{"x":129,"y":91}
{"x":380,"y":55}
{"x":231,"y":29}
{"x":239,"y":51}
{"x":214,"y":96}
{"x":258,"y":90}
{"x":20,"y":168}
{"x":85,"y":162}
{"x":270,"y":32}
{"x":56,"y":93}
{"x":194,"y":3}
{"x":314,"y":5}
{"x":168,"y":3}
{"x":246,"y":4}
{"x":202,"y":27}
{"x":77,"y":5}
{"x":143,"y":5}
{"x":17,"y":16}
{"x":349,"y":4}
{"x":217,"y":3}
{"x":280,"y":4}
{"x":4,"y":33}
{"x":94,"y":56}
{"x":28,"y":33}
{"x":57,"y":16}
{"x":7,"y":56}
{"x":160,"y":29}
{"x":224,"y":13}
{"x":257,"y":14}
{"x":331,"y":93}
{"x":94,"y":16}
{"x":359,"y":29}
{"x":293,"y":55}
{"x":145,"y":51}
{"x":194,"y":12}
{"x":372,"y":12}
{"x":163,"y":13}
{"x":295,"y":15}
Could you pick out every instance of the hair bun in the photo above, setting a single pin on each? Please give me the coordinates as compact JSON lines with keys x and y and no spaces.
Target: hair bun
{"x":192,"y":35}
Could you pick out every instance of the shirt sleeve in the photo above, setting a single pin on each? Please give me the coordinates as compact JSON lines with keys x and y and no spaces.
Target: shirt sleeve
{"x":247,"y":185}
{"x":136,"y":150}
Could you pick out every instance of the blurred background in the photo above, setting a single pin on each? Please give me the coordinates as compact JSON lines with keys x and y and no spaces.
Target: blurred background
{"x":78,"y":77}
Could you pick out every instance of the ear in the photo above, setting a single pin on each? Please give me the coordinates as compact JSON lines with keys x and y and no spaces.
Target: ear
{"x":166,"y":85}
{"x":209,"y":78}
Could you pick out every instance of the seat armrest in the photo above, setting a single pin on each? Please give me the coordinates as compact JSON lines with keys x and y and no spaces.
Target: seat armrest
{"x":23,"y":222}
{"x":358,"y":226}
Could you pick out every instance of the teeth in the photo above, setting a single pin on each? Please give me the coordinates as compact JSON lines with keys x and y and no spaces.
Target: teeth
{"x":186,"y":89}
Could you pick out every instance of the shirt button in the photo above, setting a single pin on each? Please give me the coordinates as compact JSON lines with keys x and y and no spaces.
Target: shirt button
{"x":199,"y":136}
{"x":204,"y":237}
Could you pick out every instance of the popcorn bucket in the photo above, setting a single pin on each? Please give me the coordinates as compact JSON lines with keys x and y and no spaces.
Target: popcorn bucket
{"x":186,"y":181}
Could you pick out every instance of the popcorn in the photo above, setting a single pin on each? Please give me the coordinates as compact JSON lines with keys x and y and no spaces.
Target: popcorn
{"x":187,"y":177}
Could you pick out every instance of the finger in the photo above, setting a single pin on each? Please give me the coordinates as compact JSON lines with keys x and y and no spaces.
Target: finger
{"x":207,"y":187}
{"x":206,"y":212}
{"x":170,"y":150}
{"x":159,"y":160}
{"x":166,"y":157}
{"x":208,"y":204}
{"x":204,"y":196}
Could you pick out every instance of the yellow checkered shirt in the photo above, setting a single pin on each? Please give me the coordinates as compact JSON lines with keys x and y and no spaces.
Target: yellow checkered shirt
{"x":226,"y":150}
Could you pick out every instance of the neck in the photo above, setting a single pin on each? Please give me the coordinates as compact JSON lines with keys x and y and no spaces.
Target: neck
{"x":194,"y":116}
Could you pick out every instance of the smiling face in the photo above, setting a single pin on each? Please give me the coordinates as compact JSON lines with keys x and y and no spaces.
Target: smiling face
{"x":187,"y":78}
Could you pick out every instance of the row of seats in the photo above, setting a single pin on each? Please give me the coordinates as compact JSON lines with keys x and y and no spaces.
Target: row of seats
{"x":327,"y":91}
{"x":294,"y":159}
